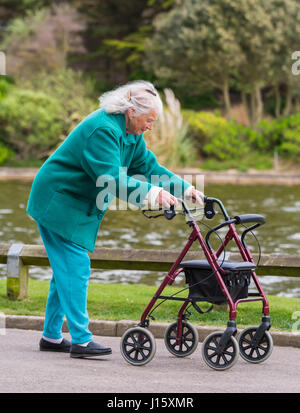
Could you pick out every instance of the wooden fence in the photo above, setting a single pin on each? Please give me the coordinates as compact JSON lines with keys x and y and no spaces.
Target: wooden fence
{"x":19,"y":258}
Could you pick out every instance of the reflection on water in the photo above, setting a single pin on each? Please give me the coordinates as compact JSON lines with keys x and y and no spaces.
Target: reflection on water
{"x":130,"y":229}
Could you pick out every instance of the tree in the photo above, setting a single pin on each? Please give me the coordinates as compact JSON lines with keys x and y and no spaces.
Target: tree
{"x":195,"y":47}
{"x":10,"y":9}
{"x":114,"y":37}
{"x":269,"y":29}
{"x":41,"y":40}
{"x":286,"y":22}
{"x":221,"y":43}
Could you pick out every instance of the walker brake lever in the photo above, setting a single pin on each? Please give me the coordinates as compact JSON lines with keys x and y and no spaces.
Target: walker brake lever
{"x":151,"y":216}
{"x":170,"y":213}
{"x":209,"y":209}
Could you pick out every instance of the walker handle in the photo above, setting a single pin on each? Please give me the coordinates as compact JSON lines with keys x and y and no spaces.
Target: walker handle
{"x":242,"y":219}
{"x":209,"y":208}
{"x":170,"y":213}
{"x":167,"y":213}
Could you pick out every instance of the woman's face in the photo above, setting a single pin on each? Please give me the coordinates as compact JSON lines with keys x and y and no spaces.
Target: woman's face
{"x":136,"y":125}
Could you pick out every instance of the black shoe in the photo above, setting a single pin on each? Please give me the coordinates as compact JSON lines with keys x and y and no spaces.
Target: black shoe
{"x":63,"y":347}
{"x":92,"y":349}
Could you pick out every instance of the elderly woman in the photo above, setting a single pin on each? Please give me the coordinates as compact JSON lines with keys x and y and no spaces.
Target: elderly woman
{"x":107,"y":143}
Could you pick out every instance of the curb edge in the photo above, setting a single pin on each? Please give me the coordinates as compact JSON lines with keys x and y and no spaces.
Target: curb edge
{"x":117,"y":329}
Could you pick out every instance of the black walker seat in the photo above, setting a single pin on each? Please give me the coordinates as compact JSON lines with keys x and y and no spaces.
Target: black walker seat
{"x":204,"y":285}
{"x":225,"y":265}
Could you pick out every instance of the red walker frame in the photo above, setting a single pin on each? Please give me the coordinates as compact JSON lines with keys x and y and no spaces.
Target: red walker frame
{"x":212,"y":258}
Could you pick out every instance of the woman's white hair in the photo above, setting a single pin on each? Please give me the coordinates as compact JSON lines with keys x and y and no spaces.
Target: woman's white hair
{"x":139,"y":94}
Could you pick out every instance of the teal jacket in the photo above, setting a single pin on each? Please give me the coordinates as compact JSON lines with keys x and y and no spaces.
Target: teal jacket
{"x":97,"y":162}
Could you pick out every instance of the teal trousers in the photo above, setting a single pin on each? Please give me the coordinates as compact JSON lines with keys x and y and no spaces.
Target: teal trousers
{"x":67,"y":296}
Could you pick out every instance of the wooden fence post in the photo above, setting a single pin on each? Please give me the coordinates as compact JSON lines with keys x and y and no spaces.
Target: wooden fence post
{"x":17,"y":273}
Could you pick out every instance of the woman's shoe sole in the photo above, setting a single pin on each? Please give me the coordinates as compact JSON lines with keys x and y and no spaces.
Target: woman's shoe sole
{"x":85,"y":355}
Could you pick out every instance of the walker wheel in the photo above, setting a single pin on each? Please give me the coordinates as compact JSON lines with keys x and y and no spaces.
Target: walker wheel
{"x":189,"y":339}
{"x":219,"y":359}
{"x":138,"y":346}
{"x":255,"y":353}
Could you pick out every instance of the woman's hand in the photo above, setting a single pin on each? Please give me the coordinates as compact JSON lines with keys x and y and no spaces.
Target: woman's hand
{"x":166,"y":199}
{"x":195,"y":195}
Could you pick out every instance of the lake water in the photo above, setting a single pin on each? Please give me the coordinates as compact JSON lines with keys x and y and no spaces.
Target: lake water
{"x":130,"y":229}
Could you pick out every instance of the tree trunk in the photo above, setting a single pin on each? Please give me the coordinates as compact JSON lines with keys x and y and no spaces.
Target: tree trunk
{"x":297,"y":105}
{"x":277,"y":101}
{"x":246,"y":105}
{"x":256,"y":105}
{"x":252,"y":109}
{"x":259,"y":103}
{"x":226,"y":97}
{"x":288,"y":104}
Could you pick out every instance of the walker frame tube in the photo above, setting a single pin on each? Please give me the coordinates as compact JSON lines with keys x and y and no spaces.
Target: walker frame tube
{"x":212,"y":258}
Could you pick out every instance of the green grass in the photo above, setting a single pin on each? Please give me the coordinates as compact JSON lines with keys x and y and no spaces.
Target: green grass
{"x":127,"y":302}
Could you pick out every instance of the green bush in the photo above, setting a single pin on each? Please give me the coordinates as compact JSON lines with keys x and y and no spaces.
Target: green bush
{"x":30,"y":122}
{"x":227,"y":143}
{"x":75,"y":93}
{"x":270,"y":134}
{"x":224,"y":144}
{"x":5,"y":85}
{"x":290,"y":147}
{"x":200,"y":125}
{"x":217,"y":137}
{"x":37,"y":115}
{"x":5,"y":154}
{"x":282,"y":135}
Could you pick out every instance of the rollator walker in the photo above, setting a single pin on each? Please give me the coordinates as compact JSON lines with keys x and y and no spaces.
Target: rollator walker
{"x":213,"y":280}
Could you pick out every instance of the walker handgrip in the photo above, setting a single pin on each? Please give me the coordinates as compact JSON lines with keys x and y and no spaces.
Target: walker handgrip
{"x":209,"y":209}
{"x":243,"y":219}
{"x":170,"y":213}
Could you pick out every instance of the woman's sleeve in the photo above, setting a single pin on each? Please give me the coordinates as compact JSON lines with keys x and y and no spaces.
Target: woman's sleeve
{"x":145,"y":163}
{"x":101,"y":161}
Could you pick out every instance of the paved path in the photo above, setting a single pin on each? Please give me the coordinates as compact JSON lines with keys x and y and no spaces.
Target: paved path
{"x":24,"y":369}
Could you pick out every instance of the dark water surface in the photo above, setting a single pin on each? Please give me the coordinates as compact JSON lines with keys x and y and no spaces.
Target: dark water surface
{"x":130,"y":229}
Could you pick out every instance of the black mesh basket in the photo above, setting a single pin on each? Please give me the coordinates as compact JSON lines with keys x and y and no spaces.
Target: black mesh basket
{"x":204,"y":286}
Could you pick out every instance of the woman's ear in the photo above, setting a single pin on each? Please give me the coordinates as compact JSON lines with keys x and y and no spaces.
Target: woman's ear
{"x":131,"y":112}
